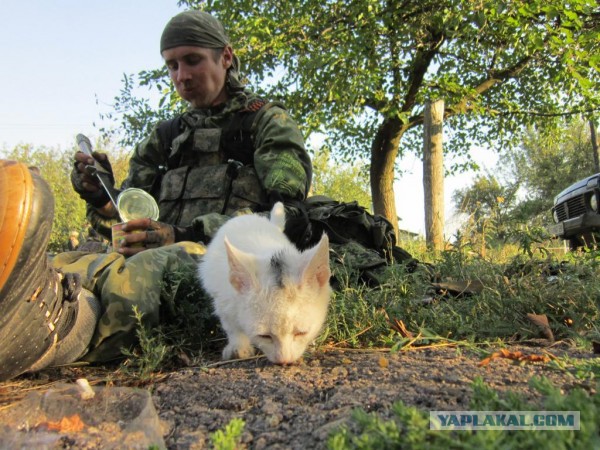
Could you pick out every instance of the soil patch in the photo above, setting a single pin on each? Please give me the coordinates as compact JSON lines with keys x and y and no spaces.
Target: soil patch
{"x":296,"y":407}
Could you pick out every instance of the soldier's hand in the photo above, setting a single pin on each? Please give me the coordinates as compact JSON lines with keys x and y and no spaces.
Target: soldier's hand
{"x":142,"y":234}
{"x":87,"y":185}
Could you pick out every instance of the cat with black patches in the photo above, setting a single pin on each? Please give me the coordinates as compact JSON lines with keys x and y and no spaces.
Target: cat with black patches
{"x":267,"y":294}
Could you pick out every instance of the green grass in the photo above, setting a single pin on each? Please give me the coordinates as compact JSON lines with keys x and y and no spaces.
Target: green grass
{"x":566,"y":290}
{"x":567,"y":293}
{"x":189,"y":330}
{"x":229,"y":437}
{"x":409,"y":426}
{"x":583,"y":369}
{"x":149,"y":357}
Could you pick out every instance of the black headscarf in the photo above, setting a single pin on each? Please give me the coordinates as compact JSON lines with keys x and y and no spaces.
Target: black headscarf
{"x":200,"y":29}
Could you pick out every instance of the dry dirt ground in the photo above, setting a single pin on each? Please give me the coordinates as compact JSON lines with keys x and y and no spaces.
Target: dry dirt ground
{"x":294,"y":407}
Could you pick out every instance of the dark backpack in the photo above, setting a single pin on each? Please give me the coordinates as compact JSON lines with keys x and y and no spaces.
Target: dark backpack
{"x":345,"y":222}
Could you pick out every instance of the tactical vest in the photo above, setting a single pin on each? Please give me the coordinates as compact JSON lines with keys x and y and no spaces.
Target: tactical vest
{"x":211,"y":170}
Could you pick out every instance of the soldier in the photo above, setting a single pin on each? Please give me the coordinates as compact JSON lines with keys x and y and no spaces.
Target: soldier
{"x":231,"y":152}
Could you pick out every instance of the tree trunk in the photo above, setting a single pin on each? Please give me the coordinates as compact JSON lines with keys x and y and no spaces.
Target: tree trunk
{"x":433,"y":174}
{"x":383,"y":157}
{"x":594,"y":139}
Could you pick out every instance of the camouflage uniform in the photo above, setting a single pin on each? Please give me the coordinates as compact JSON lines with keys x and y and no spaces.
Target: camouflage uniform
{"x":190,"y":178}
{"x":192,"y":182}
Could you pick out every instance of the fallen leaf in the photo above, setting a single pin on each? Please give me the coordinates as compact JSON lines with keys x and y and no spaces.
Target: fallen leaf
{"x":536,"y":358}
{"x":485,"y":361}
{"x":541,"y":321}
{"x":399,"y":326}
{"x":383,"y":362}
{"x":515,"y":356}
{"x":184,"y":358}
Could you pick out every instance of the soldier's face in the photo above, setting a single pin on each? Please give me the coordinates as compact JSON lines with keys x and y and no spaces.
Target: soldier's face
{"x":199,"y":73}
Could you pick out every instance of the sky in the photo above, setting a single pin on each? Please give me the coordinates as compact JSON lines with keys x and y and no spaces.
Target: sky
{"x":64,"y":61}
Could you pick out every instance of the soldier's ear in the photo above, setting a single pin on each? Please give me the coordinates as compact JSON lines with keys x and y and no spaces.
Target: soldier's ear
{"x":227,"y":56}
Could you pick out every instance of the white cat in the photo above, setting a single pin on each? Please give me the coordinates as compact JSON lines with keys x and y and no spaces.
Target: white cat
{"x":266,"y":293}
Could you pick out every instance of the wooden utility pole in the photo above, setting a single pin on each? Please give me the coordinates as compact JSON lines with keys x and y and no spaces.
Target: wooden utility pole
{"x":433,"y":174}
{"x":594,"y":139}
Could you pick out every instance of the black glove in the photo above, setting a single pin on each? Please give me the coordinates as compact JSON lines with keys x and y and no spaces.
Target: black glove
{"x":189,"y":233}
{"x":153,"y":234}
{"x":94,"y":194}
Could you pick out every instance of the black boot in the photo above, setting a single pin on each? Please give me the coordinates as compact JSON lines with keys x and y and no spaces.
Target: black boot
{"x":45,"y":316}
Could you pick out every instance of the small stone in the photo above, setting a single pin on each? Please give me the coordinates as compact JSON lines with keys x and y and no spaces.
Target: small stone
{"x":274,"y":420}
{"x":270,"y":408}
{"x":260,"y":443}
{"x":339,"y":371}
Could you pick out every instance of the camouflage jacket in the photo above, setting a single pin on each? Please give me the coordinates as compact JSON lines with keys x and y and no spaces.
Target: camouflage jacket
{"x":191,"y":176}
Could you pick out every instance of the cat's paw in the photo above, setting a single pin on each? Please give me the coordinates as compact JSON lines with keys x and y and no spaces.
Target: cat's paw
{"x":232,"y":351}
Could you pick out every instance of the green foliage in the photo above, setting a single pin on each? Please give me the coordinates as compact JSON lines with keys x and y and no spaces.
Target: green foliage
{"x":356,"y":316}
{"x":188,"y":326}
{"x":532,"y":282}
{"x":488,"y":207}
{"x":361,"y":72}
{"x":409,"y":426}
{"x":546,"y":162}
{"x":134,"y":116}
{"x":229,"y":437}
{"x":55,"y":165}
{"x":142,"y":362}
{"x":342,"y":182}
{"x":580,"y":368}
{"x":531,"y":240}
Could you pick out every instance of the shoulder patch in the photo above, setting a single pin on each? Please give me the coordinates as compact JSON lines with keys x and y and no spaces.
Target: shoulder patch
{"x":255,"y":105}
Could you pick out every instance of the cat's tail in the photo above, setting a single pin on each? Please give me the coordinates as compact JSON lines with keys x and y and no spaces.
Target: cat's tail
{"x":278,"y":215}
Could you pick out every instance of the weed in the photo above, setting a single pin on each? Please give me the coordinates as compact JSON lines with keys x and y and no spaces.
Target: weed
{"x":360,"y":316}
{"x":409,"y":426}
{"x":580,"y":368}
{"x":142,"y":362}
{"x":355,"y":316}
{"x":188,"y":313}
{"x":566,"y":292}
{"x":229,"y":437}
{"x":188,"y":326}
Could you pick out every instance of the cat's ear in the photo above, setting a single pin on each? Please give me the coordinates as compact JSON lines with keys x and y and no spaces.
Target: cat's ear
{"x":241,"y":264}
{"x":317,"y":269}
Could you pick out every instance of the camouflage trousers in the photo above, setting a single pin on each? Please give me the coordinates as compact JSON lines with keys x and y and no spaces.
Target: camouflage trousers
{"x":122,"y":284}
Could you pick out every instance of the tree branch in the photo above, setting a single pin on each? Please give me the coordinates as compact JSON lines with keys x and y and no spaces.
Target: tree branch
{"x":420,"y":65}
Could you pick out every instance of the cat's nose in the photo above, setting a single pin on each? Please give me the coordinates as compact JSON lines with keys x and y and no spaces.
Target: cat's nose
{"x":285,"y":362}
